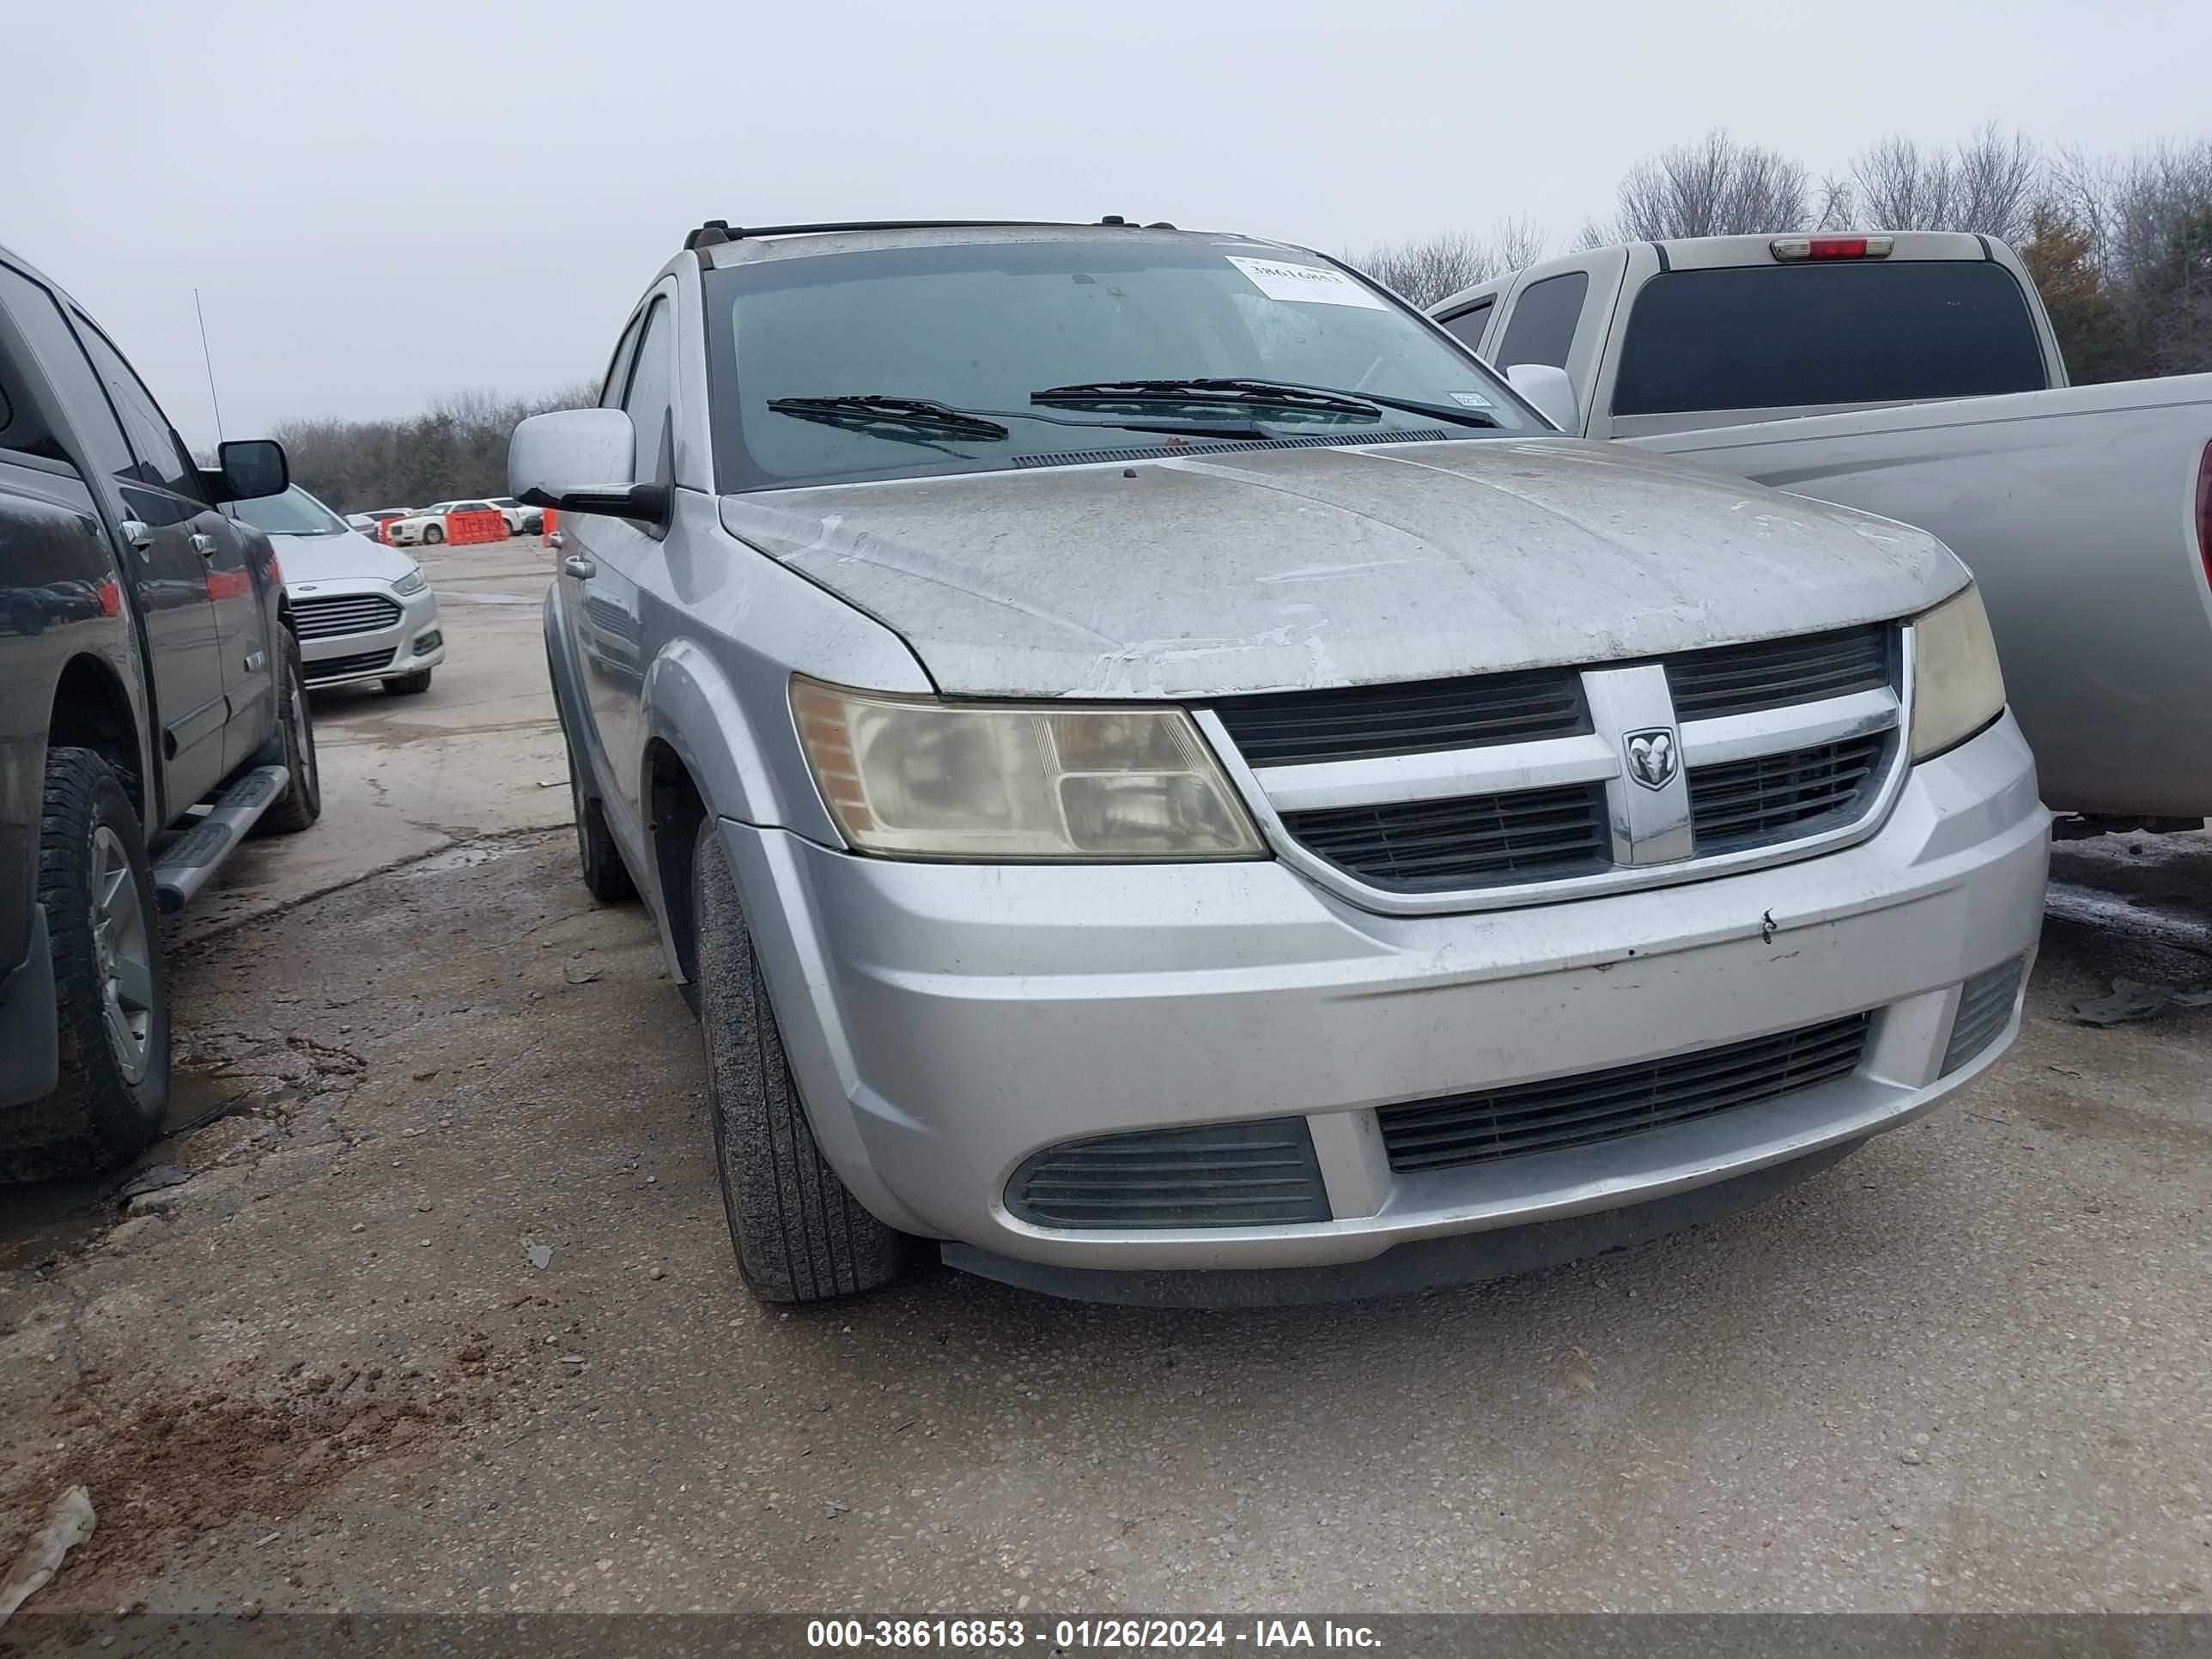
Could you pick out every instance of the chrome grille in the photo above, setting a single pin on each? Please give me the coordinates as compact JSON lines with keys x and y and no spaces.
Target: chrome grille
{"x":1517,"y":787}
{"x":1753,"y":803}
{"x":343,"y":613}
{"x":1476,"y":839}
{"x":1222,"y":1174}
{"x":1624,"y":1100}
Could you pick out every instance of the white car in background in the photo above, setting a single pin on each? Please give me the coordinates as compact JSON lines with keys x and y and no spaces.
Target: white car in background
{"x":520,"y":520}
{"x":366,"y":522}
{"x":362,"y":611}
{"x":425,"y":526}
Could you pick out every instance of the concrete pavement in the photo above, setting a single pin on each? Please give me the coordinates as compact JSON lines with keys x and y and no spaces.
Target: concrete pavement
{"x":1968,"y":1368}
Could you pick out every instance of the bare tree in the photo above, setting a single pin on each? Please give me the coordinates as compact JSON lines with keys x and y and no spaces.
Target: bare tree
{"x":1427,"y":269}
{"x":1716,"y":186}
{"x":2148,"y":218}
{"x":458,"y":448}
{"x":1987,"y":182}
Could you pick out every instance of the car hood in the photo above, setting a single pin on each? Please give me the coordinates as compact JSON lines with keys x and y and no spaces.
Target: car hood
{"x":1262,"y":570}
{"x":349,"y":557}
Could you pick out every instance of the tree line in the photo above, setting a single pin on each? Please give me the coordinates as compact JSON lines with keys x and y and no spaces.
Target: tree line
{"x":456,"y":448}
{"x":2119,"y":248}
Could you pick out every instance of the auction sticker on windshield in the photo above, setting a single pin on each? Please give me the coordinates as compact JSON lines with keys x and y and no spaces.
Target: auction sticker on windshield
{"x":1307,"y":284}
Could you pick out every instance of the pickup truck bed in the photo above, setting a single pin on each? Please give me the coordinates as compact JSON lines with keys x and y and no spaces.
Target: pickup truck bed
{"x":1916,"y":375}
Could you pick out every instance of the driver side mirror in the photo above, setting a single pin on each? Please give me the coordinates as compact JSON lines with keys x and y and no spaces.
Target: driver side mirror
{"x":251,"y":469}
{"x":1552,"y":391}
{"x":582,"y":460}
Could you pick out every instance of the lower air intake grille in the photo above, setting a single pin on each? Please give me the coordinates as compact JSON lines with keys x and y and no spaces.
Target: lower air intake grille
{"x":1534,"y":834}
{"x":1222,"y":1174}
{"x":1578,"y":1111}
{"x":1783,"y":797}
{"x":338,"y":668}
{"x":1984,"y":1010}
{"x":343,"y":613}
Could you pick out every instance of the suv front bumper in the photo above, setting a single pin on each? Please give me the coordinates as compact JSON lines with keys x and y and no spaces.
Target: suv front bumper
{"x":946,"y":1021}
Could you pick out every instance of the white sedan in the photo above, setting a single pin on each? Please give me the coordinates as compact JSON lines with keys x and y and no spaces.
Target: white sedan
{"x":361,"y":611}
{"x":428,"y":526}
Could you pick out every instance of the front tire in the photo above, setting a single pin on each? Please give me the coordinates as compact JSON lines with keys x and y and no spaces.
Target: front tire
{"x":111,"y":983}
{"x":432,"y":535}
{"x":800,"y":1235}
{"x":408,"y":686}
{"x":295,"y":738}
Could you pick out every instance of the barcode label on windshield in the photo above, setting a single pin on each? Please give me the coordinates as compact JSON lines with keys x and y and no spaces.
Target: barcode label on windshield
{"x":1308,"y":284}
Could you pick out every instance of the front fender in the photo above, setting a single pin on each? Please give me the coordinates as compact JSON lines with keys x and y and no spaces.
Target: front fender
{"x":739,"y":747}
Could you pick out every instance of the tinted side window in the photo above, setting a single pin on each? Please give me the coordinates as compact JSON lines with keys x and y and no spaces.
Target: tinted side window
{"x":1544,"y":317}
{"x":647,"y":398}
{"x":161,"y":458}
{"x":39,"y":318}
{"x":1467,"y":326}
{"x":1773,"y":337}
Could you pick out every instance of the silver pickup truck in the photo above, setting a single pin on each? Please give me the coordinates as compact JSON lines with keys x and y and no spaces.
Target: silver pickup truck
{"x":1147,"y":756}
{"x":1916,"y":375}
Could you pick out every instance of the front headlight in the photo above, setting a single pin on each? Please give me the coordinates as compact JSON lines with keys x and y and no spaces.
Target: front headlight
{"x":915,"y":777}
{"x":413,"y":582}
{"x":1957,"y":688}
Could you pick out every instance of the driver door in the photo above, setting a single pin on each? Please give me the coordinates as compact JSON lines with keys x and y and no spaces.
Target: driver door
{"x":599,"y":567}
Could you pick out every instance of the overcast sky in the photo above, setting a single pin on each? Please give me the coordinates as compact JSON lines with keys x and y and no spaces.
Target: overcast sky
{"x":389,"y":199}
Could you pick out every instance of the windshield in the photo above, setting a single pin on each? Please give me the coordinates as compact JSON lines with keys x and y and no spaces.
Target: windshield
{"x":1777,"y":337}
{"x":986,"y":327}
{"x":295,"y":513}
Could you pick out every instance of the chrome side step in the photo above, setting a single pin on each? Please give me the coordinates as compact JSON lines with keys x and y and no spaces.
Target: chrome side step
{"x":185,"y":863}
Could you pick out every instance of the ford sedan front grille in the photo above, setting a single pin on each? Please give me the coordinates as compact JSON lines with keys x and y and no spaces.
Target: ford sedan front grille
{"x":1623,"y":1100}
{"x":343,"y":613}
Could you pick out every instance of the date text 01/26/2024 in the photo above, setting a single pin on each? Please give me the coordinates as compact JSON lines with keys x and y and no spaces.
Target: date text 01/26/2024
{"x":977,"y":1635}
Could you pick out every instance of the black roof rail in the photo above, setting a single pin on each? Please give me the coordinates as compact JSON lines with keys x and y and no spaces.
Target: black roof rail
{"x":715,"y":232}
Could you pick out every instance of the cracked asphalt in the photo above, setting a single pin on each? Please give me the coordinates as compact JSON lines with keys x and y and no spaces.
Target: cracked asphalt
{"x":301,"y":1356}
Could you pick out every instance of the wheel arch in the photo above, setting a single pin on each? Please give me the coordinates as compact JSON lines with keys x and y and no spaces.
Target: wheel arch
{"x":92,"y":710}
{"x":705,"y":756}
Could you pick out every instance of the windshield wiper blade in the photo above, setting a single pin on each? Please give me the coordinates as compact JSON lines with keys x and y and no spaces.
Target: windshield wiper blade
{"x":1249,"y":393}
{"x":918,"y":418}
{"x":1279,"y":394}
{"x":905,"y":416}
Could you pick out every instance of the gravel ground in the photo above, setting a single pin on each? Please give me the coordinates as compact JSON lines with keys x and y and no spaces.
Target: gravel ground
{"x":1966,"y":1369}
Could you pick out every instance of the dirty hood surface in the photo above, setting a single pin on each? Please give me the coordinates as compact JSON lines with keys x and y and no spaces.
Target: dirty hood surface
{"x":1271,"y":569}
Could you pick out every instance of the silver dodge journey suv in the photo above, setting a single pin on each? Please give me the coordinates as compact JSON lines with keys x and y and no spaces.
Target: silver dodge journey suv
{"x":1165,"y":777}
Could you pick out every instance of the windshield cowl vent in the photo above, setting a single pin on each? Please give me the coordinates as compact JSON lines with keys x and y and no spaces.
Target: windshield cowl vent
{"x":1216,"y":447}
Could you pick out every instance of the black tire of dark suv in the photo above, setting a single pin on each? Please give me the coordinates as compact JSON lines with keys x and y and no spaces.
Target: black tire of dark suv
{"x":294,"y":748}
{"x":111,"y":983}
